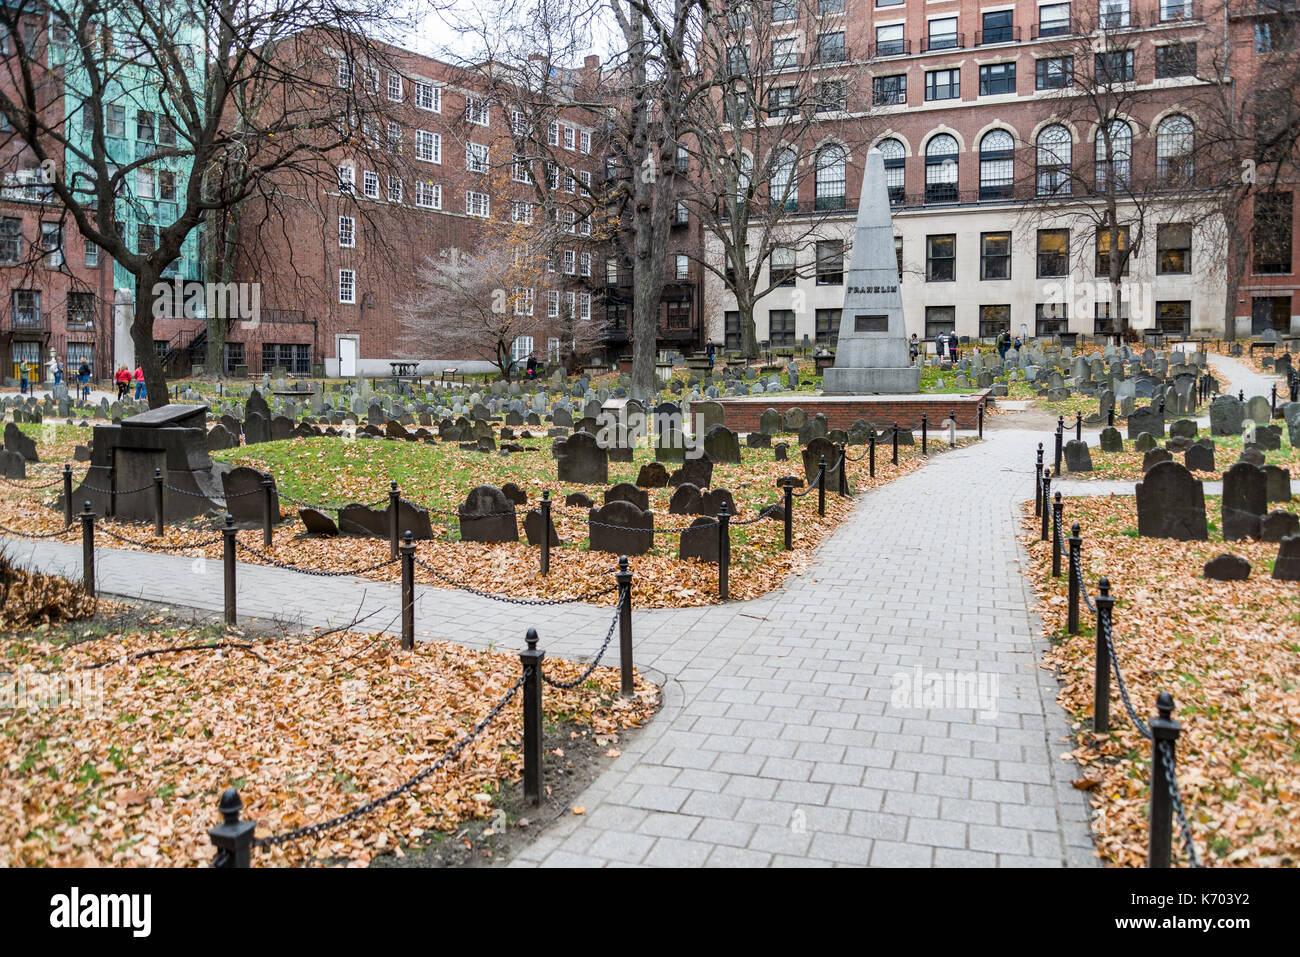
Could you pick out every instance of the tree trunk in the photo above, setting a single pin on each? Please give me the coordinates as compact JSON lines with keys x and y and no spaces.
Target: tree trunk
{"x":217,"y":325}
{"x":146,"y":356}
{"x":748,"y":328}
{"x":1234,"y":265}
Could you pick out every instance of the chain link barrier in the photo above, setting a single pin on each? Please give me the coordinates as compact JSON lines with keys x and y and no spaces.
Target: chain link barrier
{"x":311,"y":830}
{"x":509,"y":599}
{"x":32,"y":488}
{"x":17,"y":534}
{"x":315,"y":572}
{"x":566,"y":685}
{"x":1176,"y":799}
{"x":152,"y":546}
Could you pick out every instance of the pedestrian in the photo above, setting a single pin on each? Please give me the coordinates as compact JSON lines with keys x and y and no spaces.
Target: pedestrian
{"x":532,"y":365}
{"x":22,"y":378}
{"x":122,"y":378}
{"x":83,"y":375}
{"x":139,"y":383}
{"x":914,"y":346}
{"x":56,"y":369}
{"x":953,"y":345}
{"x":710,"y":352}
{"x":940,"y":344}
{"x":1017,"y":345}
{"x":1004,"y":341}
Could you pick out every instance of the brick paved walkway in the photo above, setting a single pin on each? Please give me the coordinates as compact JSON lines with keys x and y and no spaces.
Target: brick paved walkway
{"x":782,"y":738}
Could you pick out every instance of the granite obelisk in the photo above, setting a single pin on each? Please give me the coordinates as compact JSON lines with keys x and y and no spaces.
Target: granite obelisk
{"x":872,"y":354}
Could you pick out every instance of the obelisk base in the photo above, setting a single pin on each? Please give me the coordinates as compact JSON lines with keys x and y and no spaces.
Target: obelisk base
{"x":837,"y":381}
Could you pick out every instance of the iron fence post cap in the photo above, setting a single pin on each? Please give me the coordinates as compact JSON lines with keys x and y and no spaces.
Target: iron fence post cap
{"x":531,"y":639}
{"x":546,"y":495}
{"x":86,"y":508}
{"x":230,"y":520}
{"x":1074,"y":529}
{"x":230,"y":805}
{"x":407,"y":537}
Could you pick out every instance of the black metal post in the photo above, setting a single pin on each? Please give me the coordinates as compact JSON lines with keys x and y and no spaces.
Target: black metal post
{"x":844,"y":469}
{"x":1101,"y":669}
{"x":1110,"y":416}
{"x":1078,"y":426}
{"x":1272,"y":401}
{"x":871,"y":454}
{"x":546,"y":532}
{"x":268,"y":521}
{"x":925,"y":429}
{"x":232,"y":838}
{"x":408,"y":591}
{"x":821,"y":487}
{"x":1038,"y":482}
{"x":1060,"y":443}
{"x":1047,"y":498}
{"x":1056,"y":536}
{"x":1075,"y":572}
{"x":789,"y":516}
{"x":67,"y":495}
{"x":1241,"y":395}
{"x":980,"y":413}
{"x":394,"y":496}
{"x":158,"y":502}
{"x":895,"y":443}
{"x":531,"y":658}
{"x":88,"y":550}
{"x":724,"y":551}
{"x":228,"y":566}
{"x":624,"y":579}
{"x":1164,"y":741}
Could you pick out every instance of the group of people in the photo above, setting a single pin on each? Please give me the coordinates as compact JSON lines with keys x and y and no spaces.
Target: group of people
{"x":123,"y":378}
{"x":27,"y":378}
{"x":1006,"y":344}
{"x":947,"y":345}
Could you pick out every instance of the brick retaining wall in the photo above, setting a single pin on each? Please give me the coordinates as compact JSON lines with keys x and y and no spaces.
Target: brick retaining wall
{"x":742,"y":415}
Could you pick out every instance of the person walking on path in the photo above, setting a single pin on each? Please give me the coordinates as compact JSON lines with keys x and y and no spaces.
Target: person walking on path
{"x":22,"y":378}
{"x":953,"y":345}
{"x":914,"y":346}
{"x":1004,"y":342}
{"x":122,"y":378}
{"x":56,"y":368}
{"x":140,"y":390}
{"x":83,"y":376}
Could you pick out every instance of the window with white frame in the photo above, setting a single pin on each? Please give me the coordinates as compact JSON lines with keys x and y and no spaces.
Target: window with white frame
{"x":569,"y":182}
{"x":146,"y":182}
{"x":476,"y":157}
{"x":347,"y":232}
{"x":428,"y":146}
{"x":683,"y":266}
{"x":345,"y":73}
{"x":553,"y":349}
{"x":394,"y":189}
{"x":570,"y":221}
{"x":428,"y":97}
{"x":394,"y":137}
{"x":584,"y":225}
{"x":552,"y":303}
{"x":523,"y":301}
{"x":585,"y":268}
{"x":570,"y":303}
{"x":347,"y":179}
{"x":569,"y":134}
{"x":476,"y":110}
{"x":521,"y":212}
{"x":372,"y":79}
{"x":521,"y":348}
{"x":570,"y":262}
{"x":585,"y":177}
{"x":584,"y":306}
{"x":584,"y":141}
{"x":347,"y":285}
{"x":521,"y":170}
{"x":552,"y":176}
{"x":370,"y":184}
{"x":553,"y":134}
{"x":428,"y":195}
{"x":477,"y":204}
{"x":395,"y":88}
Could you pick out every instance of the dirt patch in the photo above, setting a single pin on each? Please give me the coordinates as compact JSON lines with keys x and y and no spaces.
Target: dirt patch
{"x":573,"y":757}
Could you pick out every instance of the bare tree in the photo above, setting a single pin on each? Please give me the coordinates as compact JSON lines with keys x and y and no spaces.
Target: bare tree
{"x":771,"y":104}
{"x":235,"y":101}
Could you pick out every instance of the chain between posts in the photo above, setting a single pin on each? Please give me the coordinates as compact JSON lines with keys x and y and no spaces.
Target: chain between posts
{"x":318,"y":573}
{"x":595,"y":663}
{"x":510,"y":599}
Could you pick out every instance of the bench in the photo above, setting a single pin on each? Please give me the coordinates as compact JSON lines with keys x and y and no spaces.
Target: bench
{"x":1266,"y":346}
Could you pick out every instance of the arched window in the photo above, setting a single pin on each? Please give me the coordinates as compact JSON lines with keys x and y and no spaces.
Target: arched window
{"x":1175,"y":139}
{"x":996,"y":165}
{"x":941,"y":169}
{"x":895,"y":178}
{"x":1114,"y":156}
{"x":784,"y":186}
{"x":1054,"y":149}
{"x":830,"y":178}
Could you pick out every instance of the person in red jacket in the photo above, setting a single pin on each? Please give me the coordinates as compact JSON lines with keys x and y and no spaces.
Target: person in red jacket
{"x":123,"y":379}
{"x":140,"y":391}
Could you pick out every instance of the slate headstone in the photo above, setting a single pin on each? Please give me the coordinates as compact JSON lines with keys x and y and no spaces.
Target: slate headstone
{"x":1171,"y":504}
{"x":487,"y":515}
{"x":1245,"y":501}
{"x":1227,"y":568}
{"x":621,"y":528}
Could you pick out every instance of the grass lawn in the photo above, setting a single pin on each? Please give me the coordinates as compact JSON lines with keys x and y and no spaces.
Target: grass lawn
{"x":1228,"y":448}
{"x":1229,"y":652}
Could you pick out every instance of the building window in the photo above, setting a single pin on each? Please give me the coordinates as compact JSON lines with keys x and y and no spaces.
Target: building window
{"x":26,"y":308}
{"x":344,"y":76}
{"x":995,"y":255}
{"x":1053,"y":158}
{"x":941,"y":258}
{"x":1271,"y":233}
{"x":993,"y":319}
{"x":941,"y":169}
{"x":394,"y":189}
{"x":783,"y":101}
{"x":898,"y":255}
{"x":523,"y":298}
{"x":1174,"y":249}
{"x":146,"y":184}
{"x":395,"y":88}
{"x":942,"y":85}
{"x":521,"y":212}
{"x":889,"y":40}
{"x":1113,"y":14}
{"x":552,"y":304}
{"x":1174,"y":318}
{"x":1175,"y":140}
{"x":611,"y":271}
{"x":144,"y":126}
{"x":1053,"y":19}
{"x":828,"y":326}
{"x":731,"y":330}
{"x":11,"y":240}
{"x":347,"y":286}
{"x":115,"y":121}
{"x":584,"y":305}
{"x":889,"y":90}
{"x":429,"y":195}
{"x":895,"y":172}
{"x":428,"y":97}
{"x":1102,"y":323}
{"x":81,"y":308}
{"x":783,"y":189}
{"x":1114,"y":66}
{"x":394,"y":142}
{"x":1114,"y":155}
{"x":476,"y":110}
{"x":1053,"y":253}
{"x":569,"y":138}
{"x":477,"y":204}
{"x":829,"y":183}
{"x":347,"y":231}
{"x":167,"y":185}
{"x":1103,"y":250}
{"x":476,"y":157}
{"x":830,"y":262}
{"x":570,"y":262}
{"x":79,"y":352}
{"x":997,"y":78}
{"x":1051,"y":319}
{"x":997,"y":27}
{"x":1174,"y":60}
{"x":943,"y":34}
{"x":584,"y":141}
{"x":831,"y":96}
{"x":428,"y":146}
{"x":780,"y":328}
{"x":781,"y":266}
{"x":940,"y":319}
{"x":830,"y":47}
{"x":996,"y":165}
{"x":52,"y":243}
{"x":783,"y":10}
{"x":146,"y":238}
{"x":370,"y":184}
{"x":1054,"y":73}
{"x":291,"y":356}
{"x":584,"y":269}
{"x":92,"y":251}
{"x":347,"y":180}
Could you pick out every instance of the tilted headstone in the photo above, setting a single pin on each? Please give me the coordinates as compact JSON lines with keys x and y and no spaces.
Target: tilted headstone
{"x":1277,"y":525}
{"x":1227,"y":568}
{"x":1245,"y":501}
{"x":316,"y":522}
{"x":1171,"y":504}
{"x":244,"y":496}
{"x":1286,"y":567}
{"x":16,"y":440}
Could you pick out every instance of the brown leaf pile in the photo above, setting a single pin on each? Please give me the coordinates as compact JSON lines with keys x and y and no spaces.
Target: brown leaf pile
{"x":30,"y":598}
{"x":1229,"y":652}
{"x":307,"y":728}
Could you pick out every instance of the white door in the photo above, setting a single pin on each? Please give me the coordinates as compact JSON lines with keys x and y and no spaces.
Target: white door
{"x":347,"y":358}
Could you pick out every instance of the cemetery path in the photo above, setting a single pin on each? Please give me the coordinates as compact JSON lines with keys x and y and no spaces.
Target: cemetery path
{"x":1244,"y":378}
{"x":884,"y":708}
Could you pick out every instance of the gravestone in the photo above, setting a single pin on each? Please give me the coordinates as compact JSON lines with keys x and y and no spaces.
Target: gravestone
{"x":533,"y":528}
{"x":707,"y":415}
{"x":257,"y":429}
{"x":1277,"y":525}
{"x":18,"y":441}
{"x":1200,"y":458}
{"x":1111,"y":440}
{"x":1171,"y":504}
{"x":1268,"y":437}
{"x":487,"y":515}
{"x":697,"y":471}
{"x":513,"y":492}
{"x":1183,"y":429}
{"x":1286,"y":567}
{"x":1277,"y":481}
{"x":621,"y":528}
{"x":627,"y":492}
{"x":722,"y":445}
{"x":1154,"y":458}
{"x":1227,"y":568}
{"x":770,"y":422}
{"x":1245,"y":501}
{"x":780,"y":452}
{"x":578,"y":500}
{"x":711,"y":502}
{"x":687,"y":500}
{"x":363,"y":520}
{"x":1145,"y":442}
{"x":581,"y":460}
{"x":1077,"y":456}
{"x":316,"y":522}
{"x":244,"y":497}
{"x":256,"y":405}
{"x":758,"y":440}
{"x":700,"y":540}
{"x":12,"y":465}
{"x":793,"y":419}
{"x":1146,"y":419}
{"x":1226,"y":416}
{"x":1258,"y":409}
{"x":652,"y":475}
